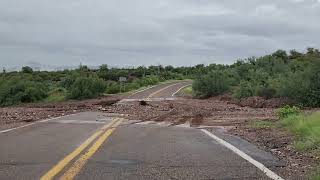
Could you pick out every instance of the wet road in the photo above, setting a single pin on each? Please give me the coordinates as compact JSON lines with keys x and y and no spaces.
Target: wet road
{"x":94,"y":145}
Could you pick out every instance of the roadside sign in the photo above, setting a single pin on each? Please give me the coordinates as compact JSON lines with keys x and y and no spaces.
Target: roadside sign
{"x":122,"y":79}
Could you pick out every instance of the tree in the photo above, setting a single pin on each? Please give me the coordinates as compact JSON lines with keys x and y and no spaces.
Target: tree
{"x":295,"y":54}
{"x":141,"y":71}
{"x":212,"y":84}
{"x":281,"y":54}
{"x":87,"y":87}
{"x":103,"y":72}
{"x":27,"y":69}
{"x":169,"y":68}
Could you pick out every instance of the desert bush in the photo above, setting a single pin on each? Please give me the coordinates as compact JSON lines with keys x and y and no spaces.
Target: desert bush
{"x":266,"y":92}
{"x":148,"y":80}
{"x":245,"y":89}
{"x":113,"y":88}
{"x":287,"y":111}
{"x":312,"y":98}
{"x":212,"y":84}
{"x":303,"y":86}
{"x":87,"y":87}
{"x":26,"y":69}
{"x":57,"y":94}
{"x":23,"y":91}
{"x":131,"y":86}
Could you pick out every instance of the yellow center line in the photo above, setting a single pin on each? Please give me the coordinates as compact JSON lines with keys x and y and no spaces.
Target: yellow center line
{"x":64,"y":162}
{"x":154,"y":93}
{"x":79,"y":164}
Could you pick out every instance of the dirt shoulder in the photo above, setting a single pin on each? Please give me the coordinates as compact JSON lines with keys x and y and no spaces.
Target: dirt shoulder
{"x":280,"y":143}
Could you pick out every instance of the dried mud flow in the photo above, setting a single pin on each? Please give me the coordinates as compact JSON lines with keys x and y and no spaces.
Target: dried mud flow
{"x":20,"y":115}
{"x":219,"y":111}
{"x":236,"y":119}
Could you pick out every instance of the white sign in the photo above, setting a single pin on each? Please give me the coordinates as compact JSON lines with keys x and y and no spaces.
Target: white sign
{"x":122,"y":79}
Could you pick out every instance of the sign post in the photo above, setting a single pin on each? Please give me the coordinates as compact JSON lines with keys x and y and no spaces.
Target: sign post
{"x":122,"y":80}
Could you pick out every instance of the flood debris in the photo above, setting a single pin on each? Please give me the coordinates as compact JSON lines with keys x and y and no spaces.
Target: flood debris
{"x":143,"y":103}
{"x":14,"y":116}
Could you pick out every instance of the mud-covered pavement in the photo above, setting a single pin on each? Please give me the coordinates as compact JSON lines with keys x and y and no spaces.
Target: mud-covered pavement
{"x":204,"y":113}
{"x":11,"y":117}
{"x":235,"y":119}
{"x":210,"y":112}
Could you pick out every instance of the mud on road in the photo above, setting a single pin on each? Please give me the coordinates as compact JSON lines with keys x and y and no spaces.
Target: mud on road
{"x":11,"y":117}
{"x":235,"y":119}
{"x":221,"y":112}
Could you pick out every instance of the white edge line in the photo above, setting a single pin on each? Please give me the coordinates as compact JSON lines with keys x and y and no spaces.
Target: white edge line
{"x":41,"y":121}
{"x":259,"y":165}
{"x":154,"y":93}
{"x":136,"y":92}
{"x":174,"y":94}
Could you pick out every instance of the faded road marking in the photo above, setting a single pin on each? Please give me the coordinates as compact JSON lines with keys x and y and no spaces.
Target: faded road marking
{"x":257,"y":164}
{"x":78,"y":165}
{"x":64,"y":162}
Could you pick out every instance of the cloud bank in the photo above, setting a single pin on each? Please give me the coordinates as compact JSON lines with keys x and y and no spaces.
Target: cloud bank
{"x":143,"y":32}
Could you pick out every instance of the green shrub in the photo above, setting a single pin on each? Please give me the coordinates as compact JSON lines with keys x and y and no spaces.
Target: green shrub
{"x":26,"y":69}
{"x":68,"y":80}
{"x":23,"y":91}
{"x":215,"y":83}
{"x":149,"y":80}
{"x":187,"y":90}
{"x":303,"y":86}
{"x":306,"y":128}
{"x":131,"y":86}
{"x":245,"y":89}
{"x":56,"y":95}
{"x":266,"y":92}
{"x":315,"y":174}
{"x":287,"y":111}
{"x":313,"y":95}
{"x":87,"y":87}
{"x":113,"y":88}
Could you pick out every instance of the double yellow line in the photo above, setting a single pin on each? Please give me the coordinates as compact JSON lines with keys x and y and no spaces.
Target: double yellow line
{"x":69,"y":174}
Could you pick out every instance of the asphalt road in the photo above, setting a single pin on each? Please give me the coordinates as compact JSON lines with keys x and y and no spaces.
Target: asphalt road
{"x":167,"y":90}
{"x":93,"y":145}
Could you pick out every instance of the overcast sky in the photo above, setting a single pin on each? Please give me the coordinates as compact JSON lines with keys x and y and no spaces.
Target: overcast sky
{"x":144,"y":32}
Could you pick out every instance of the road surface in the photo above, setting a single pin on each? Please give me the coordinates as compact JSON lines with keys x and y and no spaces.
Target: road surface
{"x":162,"y":91}
{"x":94,"y":145}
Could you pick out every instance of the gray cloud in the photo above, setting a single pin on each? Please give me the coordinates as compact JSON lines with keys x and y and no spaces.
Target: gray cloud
{"x":142,"y":32}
